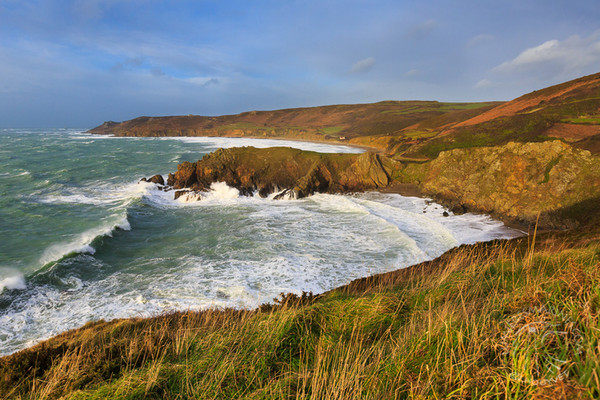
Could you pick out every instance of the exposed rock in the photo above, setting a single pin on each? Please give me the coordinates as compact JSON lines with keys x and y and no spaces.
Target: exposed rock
{"x":271,"y":170}
{"x":185,"y":175}
{"x":287,"y":194}
{"x":171,"y":179}
{"x":158,"y":179}
{"x":179,"y":193}
{"x":517,"y":180}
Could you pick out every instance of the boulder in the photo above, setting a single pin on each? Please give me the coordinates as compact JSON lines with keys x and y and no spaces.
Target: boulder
{"x":158,"y":179}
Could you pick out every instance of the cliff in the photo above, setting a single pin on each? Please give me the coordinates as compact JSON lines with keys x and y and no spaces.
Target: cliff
{"x":299,"y":173}
{"x":515,"y":182}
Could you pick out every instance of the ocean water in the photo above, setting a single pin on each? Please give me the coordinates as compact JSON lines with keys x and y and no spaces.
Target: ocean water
{"x":82,"y":240}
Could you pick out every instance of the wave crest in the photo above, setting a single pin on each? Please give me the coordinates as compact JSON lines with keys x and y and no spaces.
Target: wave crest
{"x":82,"y":243}
{"x":12,"y":280}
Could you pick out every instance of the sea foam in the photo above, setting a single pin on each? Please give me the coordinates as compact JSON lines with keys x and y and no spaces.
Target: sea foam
{"x":11,"y":279}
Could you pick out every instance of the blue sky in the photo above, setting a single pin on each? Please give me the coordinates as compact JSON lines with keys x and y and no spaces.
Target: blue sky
{"x":78,"y":63}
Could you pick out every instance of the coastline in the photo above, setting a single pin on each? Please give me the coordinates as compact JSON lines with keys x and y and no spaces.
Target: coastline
{"x":479,"y":288}
{"x":406,"y":189}
{"x":403,"y":189}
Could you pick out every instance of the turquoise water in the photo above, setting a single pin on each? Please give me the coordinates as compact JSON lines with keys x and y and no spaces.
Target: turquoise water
{"x":81,"y":239}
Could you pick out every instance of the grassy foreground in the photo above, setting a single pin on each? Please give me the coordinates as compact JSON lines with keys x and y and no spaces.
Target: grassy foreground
{"x":509,"y":319}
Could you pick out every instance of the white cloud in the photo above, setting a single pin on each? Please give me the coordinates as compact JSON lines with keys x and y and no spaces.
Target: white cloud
{"x":362,"y":65}
{"x":568,"y":56}
{"x":484,"y":83}
{"x":413,"y":72}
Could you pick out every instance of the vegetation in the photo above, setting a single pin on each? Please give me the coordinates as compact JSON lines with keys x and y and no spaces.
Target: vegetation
{"x":586,"y":120}
{"x":509,"y":319}
{"x":406,"y":129}
{"x":504,"y":319}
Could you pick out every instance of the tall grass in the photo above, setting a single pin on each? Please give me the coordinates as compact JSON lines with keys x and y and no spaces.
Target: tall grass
{"x":508,"y":319}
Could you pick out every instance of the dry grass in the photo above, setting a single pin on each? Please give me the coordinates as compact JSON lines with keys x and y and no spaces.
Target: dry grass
{"x":509,"y":319}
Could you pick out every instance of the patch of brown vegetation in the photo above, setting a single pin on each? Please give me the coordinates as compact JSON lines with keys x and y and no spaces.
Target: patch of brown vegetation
{"x":573,"y":132}
{"x":531,"y":100}
{"x":377,"y":123}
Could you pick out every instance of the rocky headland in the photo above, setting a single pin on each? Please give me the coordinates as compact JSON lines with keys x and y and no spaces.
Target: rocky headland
{"x":536,"y":155}
{"x":516,"y":182}
{"x":291,"y":172}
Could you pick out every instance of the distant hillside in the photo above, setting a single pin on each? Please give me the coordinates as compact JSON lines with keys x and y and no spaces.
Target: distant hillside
{"x":569,"y":111}
{"x":407,"y":129}
{"x":375,"y":125}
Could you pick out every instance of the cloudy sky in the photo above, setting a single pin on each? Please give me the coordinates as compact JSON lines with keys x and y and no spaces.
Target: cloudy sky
{"x":78,"y":63}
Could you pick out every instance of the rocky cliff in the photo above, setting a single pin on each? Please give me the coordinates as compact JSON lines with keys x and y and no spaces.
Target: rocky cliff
{"x":515,"y":181}
{"x":299,"y":173}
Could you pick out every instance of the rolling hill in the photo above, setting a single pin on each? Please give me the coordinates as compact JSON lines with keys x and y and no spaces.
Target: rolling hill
{"x":408,"y":129}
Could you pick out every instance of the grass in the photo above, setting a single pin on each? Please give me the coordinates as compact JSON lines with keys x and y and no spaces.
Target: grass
{"x":461,"y":106}
{"x":420,"y":134}
{"x":331,"y":130}
{"x":519,"y":128}
{"x":510,"y":319}
{"x":549,"y":167}
{"x":591,"y":120}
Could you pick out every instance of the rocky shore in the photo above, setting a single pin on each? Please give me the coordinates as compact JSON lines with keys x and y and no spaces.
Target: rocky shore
{"x":550,"y":182}
{"x":287,"y":171}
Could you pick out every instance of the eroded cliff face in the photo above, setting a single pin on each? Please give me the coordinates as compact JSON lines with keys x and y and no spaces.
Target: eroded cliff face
{"x":517,"y":180}
{"x":301,"y":173}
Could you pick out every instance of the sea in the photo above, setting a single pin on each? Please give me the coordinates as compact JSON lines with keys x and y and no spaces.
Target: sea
{"x":82,"y":239}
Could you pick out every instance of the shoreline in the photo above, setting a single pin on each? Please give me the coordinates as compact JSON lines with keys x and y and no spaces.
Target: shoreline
{"x":403,"y":189}
{"x":421,"y":267}
{"x":281,"y":138}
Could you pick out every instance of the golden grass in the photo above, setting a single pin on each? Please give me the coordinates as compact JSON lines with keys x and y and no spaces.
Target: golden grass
{"x":508,"y":319}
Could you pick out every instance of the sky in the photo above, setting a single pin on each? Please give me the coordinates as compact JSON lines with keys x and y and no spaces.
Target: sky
{"x":78,"y":63}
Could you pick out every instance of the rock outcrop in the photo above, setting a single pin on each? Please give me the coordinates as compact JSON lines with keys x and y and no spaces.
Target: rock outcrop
{"x":302,"y":173}
{"x":158,"y":179}
{"x":516,"y":181}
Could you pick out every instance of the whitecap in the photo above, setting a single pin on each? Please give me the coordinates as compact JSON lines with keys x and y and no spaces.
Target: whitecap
{"x":75,"y":199}
{"x":226,"y":142}
{"x":220,"y":191}
{"x":11,"y":279}
{"x":215,"y":142}
{"x":82,"y":243}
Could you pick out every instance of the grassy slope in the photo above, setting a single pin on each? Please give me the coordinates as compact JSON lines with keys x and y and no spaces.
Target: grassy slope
{"x":529,"y":118}
{"x":503,"y":319}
